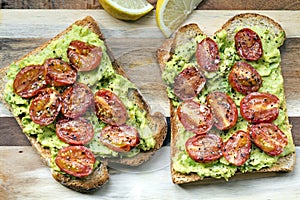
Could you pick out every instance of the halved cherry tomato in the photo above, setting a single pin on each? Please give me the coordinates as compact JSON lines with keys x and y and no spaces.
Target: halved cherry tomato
{"x":244,"y":78}
{"x":45,"y":107}
{"x":195,"y":117}
{"x":109,"y":108}
{"x":59,"y":73}
{"x":29,"y":81}
{"x":76,"y":100}
{"x":204,"y":148}
{"x":207,"y":55}
{"x":77,"y":161}
{"x":77,"y":131}
{"x":120,"y":138}
{"x":248,"y":44}
{"x":259,"y":107}
{"x":236,"y":150}
{"x":83,"y":56}
{"x":189,"y":83}
{"x":269,"y":138}
{"x":223,"y":109}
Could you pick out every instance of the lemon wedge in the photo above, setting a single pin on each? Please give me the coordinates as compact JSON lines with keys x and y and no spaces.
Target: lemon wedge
{"x":170,"y":14}
{"x":126,"y":9}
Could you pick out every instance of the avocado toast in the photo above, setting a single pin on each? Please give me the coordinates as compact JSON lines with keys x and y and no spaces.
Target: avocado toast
{"x":108,"y":76}
{"x":178,"y":55}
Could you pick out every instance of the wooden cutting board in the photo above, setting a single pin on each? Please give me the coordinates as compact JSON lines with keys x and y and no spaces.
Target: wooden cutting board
{"x":23,"y":176}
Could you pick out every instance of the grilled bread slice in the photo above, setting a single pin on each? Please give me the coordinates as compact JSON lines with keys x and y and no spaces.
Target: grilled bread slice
{"x":186,"y":35}
{"x":100,"y":174}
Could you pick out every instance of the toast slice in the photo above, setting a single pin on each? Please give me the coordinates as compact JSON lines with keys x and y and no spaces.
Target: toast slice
{"x":185,"y":35}
{"x":100,"y":175}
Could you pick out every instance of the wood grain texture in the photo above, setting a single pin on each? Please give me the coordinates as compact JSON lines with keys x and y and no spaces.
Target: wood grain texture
{"x":205,"y":5}
{"x":26,"y":177}
{"x":50,"y":4}
{"x":33,"y":23}
{"x":249,"y":5}
{"x":134,"y":46}
{"x":295,"y":122}
{"x":12,"y":135}
{"x":54,"y":4}
{"x":13,"y":49}
{"x":138,"y":56}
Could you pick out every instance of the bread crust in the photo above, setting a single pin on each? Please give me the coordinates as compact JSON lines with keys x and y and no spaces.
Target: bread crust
{"x":101,"y":175}
{"x":250,"y":19}
{"x":164,"y":53}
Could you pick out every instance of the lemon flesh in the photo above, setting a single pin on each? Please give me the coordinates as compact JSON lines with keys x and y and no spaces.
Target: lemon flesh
{"x":130,"y":10}
{"x":170,"y":14}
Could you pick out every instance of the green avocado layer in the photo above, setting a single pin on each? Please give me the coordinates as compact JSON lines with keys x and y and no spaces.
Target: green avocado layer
{"x":102,"y":77}
{"x":268,"y":67}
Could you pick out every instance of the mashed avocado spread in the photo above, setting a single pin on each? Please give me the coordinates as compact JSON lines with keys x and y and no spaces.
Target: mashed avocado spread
{"x":268,"y":67}
{"x":102,"y":77}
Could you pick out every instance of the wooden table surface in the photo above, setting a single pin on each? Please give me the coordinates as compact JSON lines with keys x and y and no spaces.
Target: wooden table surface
{"x":24,"y":25}
{"x":205,"y":5}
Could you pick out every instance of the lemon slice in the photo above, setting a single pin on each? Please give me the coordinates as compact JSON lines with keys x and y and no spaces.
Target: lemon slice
{"x":170,"y":14}
{"x":126,"y":9}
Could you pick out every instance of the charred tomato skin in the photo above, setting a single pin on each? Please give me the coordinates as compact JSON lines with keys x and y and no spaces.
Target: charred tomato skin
{"x":109,"y":108}
{"x":45,"y":107}
{"x":120,"y":138}
{"x":258,"y":107}
{"x":224,"y":110}
{"x":59,"y":73}
{"x":236,"y":150}
{"x":269,"y":138}
{"x":77,"y":131}
{"x":76,"y":160}
{"x":195,"y":117}
{"x":29,"y":81}
{"x":244,"y":78}
{"x":207,"y":55}
{"x":248,"y":44}
{"x":204,"y":148}
{"x":85,"y":57}
{"x":189,"y":83}
{"x":77,"y":99}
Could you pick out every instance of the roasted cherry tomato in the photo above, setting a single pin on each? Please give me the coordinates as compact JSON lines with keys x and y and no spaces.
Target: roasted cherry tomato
{"x":259,"y":107}
{"x":204,"y":148}
{"x":195,"y":117}
{"x":76,"y":100}
{"x":244,"y":78}
{"x":59,"y":73}
{"x":77,"y":131}
{"x":77,"y":161}
{"x":269,"y":138}
{"x":224,"y":110}
{"x":120,"y":138}
{"x":83,"y":56}
{"x":236,"y":150}
{"x":45,"y":107}
{"x":248,"y":44}
{"x":207,"y":55}
{"x":109,"y":108}
{"x":29,"y":81}
{"x":188,"y":83}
